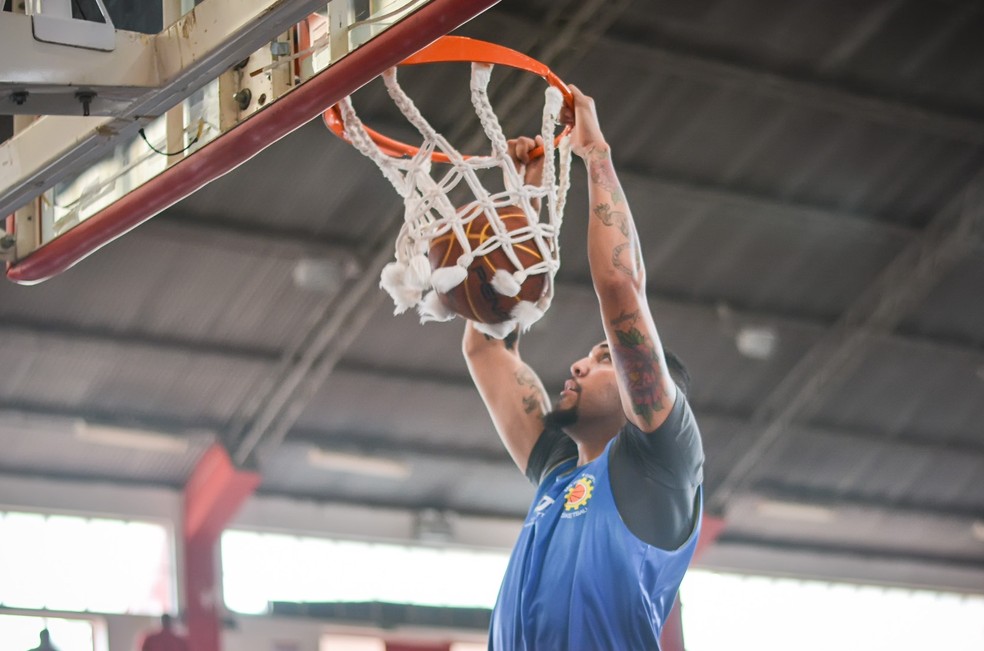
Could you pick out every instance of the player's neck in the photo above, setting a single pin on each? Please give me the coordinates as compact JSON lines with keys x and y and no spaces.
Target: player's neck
{"x":592,"y":436}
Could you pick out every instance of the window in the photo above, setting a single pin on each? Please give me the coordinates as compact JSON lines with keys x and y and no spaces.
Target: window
{"x":258,"y":568}
{"x":23,"y":632}
{"x":79,"y":564}
{"x":742,"y":613}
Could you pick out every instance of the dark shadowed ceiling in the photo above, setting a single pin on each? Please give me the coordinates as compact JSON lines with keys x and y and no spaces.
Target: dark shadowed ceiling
{"x":807,"y":181}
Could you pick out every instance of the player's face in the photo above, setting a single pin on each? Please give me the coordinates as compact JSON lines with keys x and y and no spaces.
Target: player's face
{"x":592,"y":389}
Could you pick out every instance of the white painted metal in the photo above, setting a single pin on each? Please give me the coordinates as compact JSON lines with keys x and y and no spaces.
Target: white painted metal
{"x":53,"y":23}
{"x":28,"y":61}
{"x":188,"y":54}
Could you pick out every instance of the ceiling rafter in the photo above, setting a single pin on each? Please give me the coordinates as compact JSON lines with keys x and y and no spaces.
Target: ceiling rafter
{"x":814,"y":93}
{"x":48,"y":330}
{"x":868,"y":553}
{"x":704,"y":194}
{"x":11,"y":326}
{"x":827,"y":498}
{"x":368,"y":442}
{"x":860,"y":33}
{"x":903,"y":284}
{"x":175,"y":223}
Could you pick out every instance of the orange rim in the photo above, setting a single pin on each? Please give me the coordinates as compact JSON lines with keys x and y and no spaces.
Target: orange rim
{"x":457,"y":49}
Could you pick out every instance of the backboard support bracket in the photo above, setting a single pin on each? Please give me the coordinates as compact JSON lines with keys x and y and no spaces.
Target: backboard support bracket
{"x":186,"y":63}
{"x":52,"y":22}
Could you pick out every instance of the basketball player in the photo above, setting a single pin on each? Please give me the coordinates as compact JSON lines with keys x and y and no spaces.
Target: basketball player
{"x":617,"y":461}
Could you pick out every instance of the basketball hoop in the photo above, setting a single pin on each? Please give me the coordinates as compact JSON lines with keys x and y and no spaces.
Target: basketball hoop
{"x":429,"y":213}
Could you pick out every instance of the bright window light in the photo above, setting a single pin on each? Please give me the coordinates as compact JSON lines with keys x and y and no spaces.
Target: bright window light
{"x":331,"y":642}
{"x":259,"y":568}
{"x":78,"y":564}
{"x":745,"y":613}
{"x":23,"y":632}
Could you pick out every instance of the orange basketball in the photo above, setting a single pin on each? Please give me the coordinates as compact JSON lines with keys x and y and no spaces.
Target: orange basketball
{"x":475,"y":298}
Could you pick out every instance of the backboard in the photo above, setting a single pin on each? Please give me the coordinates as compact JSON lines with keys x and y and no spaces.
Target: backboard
{"x":167,"y":113}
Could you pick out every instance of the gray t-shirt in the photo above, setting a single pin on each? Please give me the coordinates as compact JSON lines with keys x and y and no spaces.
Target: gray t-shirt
{"x":655,"y":477}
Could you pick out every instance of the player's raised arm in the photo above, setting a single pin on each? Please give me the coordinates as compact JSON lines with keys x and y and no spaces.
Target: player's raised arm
{"x":614,"y":253}
{"x":512,"y":392}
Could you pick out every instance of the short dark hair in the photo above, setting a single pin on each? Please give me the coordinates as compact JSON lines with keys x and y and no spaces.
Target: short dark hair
{"x":678,"y":371}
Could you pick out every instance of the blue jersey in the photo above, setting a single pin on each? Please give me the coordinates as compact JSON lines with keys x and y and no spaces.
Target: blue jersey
{"x":578,"y":579}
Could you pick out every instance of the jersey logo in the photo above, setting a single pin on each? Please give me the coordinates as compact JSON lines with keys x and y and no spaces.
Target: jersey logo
{"x":578,"y":493}
{"x":539,"y":510}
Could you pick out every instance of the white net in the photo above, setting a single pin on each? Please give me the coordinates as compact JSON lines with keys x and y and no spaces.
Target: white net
{"x":430,"y":214}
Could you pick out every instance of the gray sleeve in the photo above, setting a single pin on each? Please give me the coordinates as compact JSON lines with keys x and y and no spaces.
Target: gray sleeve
{"x":655,"y":477}
{"x":552,"y":448}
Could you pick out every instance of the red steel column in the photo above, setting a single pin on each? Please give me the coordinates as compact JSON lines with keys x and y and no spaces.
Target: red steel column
{"x":672,"y":636}
{"x":418,"y":646}
{"x":212,"y":496}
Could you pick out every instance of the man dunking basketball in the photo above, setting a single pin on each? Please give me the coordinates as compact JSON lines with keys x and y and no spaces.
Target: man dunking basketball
{"x":617,"y":461}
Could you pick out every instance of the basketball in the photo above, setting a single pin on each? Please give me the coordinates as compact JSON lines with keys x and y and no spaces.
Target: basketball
{"x":475,"y":298}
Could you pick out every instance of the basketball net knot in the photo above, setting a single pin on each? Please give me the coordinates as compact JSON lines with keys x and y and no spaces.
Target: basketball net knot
{"x":430,"y":214}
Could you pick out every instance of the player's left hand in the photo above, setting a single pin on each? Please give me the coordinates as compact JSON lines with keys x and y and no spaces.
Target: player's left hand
{"x":519,"y":151}
{"x":530,"y":168}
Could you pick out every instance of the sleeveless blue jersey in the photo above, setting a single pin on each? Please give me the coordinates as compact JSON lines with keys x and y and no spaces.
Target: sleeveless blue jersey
{"x":578,"y":579}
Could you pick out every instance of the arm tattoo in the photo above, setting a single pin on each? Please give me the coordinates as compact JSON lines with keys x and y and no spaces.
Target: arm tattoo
{"x":611,"y":217}
{"x":638,"y":365}
{"x":617,"y":260}
{"x":530,"y":404}
{"x":600,"y":171}
{"x":532,"y":399}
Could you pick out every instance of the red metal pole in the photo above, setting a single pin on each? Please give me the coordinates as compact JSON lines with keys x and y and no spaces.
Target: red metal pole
{"x":212,"y":497}
{"x":671,"y":638}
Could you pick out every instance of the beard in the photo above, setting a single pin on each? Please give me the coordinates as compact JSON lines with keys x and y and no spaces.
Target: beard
{"x":561,"y":418}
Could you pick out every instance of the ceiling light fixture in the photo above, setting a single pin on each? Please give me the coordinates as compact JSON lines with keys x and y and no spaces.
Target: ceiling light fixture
{"x":795,"y":511}
{"x":977,"y":529}
{"x":324,"y":274}
{"x":358,"y":464}
{"x":757,"y":342}
{"x":127,"y":437}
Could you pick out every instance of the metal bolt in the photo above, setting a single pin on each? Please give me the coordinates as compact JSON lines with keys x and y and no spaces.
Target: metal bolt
{"x":7,"y":242}
{"x":86,"y":97}
{"x":18,"y":97}
{"x":243,"y":98}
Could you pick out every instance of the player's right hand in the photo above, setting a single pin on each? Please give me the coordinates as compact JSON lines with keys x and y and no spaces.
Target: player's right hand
{"x":586,"y":136}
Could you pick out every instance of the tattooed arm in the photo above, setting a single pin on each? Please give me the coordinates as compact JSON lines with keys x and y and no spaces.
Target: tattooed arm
{"x":619,"y":278}
{"x":512,"y":392}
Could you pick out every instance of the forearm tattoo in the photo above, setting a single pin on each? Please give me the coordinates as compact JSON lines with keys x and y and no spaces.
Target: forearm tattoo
{"x":600,"y":171}
{"x":532,"y":397}
{"x":611,"y":217}
{"x":638,"y":365}
{"x":619,"y":264}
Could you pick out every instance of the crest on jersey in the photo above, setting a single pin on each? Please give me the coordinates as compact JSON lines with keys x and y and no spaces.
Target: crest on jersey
{"x":578,"y":493}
